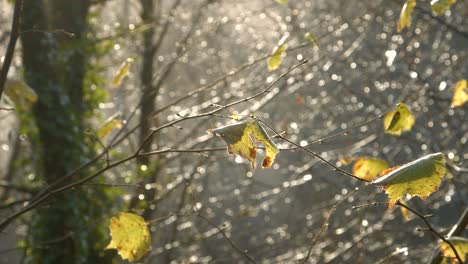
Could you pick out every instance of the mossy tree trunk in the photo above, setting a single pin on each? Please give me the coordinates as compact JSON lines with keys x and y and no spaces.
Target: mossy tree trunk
{"x":66,"y":229}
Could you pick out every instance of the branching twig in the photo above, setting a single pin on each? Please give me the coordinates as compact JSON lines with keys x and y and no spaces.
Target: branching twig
{"x":432,"y":230}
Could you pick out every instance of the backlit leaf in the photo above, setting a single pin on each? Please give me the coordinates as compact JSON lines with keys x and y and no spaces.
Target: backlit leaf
{"x":20,"y":93}
{"x":277,"y":55}
{"x":460,"y":244}
{"x":112,"y":123}
{"x":242,"y":137}
{"x":130,"y":236}
{"x":460,"y":96}
{"x":122,"y":72}
{"x":311,"y":38}
{"x":369,"y":168}
{"x":399,"y":120}
{"x":440,"y":6}
{"x":417,"y":178}
{"x":405,"y":15}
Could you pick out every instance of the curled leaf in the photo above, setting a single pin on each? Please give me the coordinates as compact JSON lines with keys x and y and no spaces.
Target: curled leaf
{"x":122,"y":72}
{"x":417,"y":178}
{"x":405,"y":15}
{"x":242,"y":137}
{"x":111,"y":123}
{"x":130,"y":236}
{"x":440,"y":6}
{"x":460,"y":244}
{"x":369,"y":168}
{"x":399,"y":120}
{"x":460,"y":95}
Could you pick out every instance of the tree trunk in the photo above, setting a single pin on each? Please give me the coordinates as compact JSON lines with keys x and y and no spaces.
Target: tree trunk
{"x":66,"y":230}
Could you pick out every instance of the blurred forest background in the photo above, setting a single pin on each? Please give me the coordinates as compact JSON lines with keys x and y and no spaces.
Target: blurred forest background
{"x":186,"y":58}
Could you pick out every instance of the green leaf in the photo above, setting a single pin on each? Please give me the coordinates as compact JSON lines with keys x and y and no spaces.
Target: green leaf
{"x":242,"y":137}
{"x":440,"y":6}
{"x":122,"y":72}
{"x":460,"y":96}
{"x":400,"y":120}
{"x":405,"y":15}
{"x":311,"y":38}
{"x":130,"y":236}
{"x":276,"y":58}
{"x":417,"y":178}
{"x":20,"y":93}
{"x":111,"y":123}
{"x":282,"y":1}
{"x":460,"y":244}
{"x":369,"y":168}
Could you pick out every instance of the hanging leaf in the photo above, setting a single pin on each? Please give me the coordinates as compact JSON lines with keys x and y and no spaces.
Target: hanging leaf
{"x":460,"y":96}
{"x":460,"y":244}
{"x":369,"y":168}
{"x":111,"y":123}
{"x":417,"y":178}
{"x":311,"y":38}
{"x":399,"y":120}
{"x":277,"y":55}
{"x":130,"y":236}
{"x":404,"y":212}
{"x":122,"y":72}
{"x":405,"y":15}
{"x":20,"y":93}
{"x":440,"y":6}
{"x":242,"y":137}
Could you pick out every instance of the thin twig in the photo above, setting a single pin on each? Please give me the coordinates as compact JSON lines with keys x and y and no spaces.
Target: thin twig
{"x":335,"y":168}
{"x":432,"y":230}
{"x":325,"y":224}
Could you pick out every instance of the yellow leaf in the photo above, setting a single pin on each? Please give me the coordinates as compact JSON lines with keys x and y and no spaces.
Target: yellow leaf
{"x":20,"y":93}
{"x":130,"y":236}
{"x":404,"y":212}
{"x":440,"y":6}
{"x":460,"y":244}
{"x":242,"y":137}
{"x":369,"y":168}
{"x":311,"y":38}
{"x":399,"y":120}
{"x":277,"y":55}
{"x":109,"y":125}
{"x":417,"y":178}
{"x":405,"y":15}
{"x":460,"y":96}
{"x":122,"y":72}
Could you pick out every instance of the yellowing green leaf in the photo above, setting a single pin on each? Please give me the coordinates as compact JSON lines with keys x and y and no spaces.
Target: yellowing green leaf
{"x":282,"y":1}
{"x":130,"y":236}
{"x":122,"y":72}
{"x":276,"y":58}
{"x":417,"y":178}
{"x":311,"y":38}
{"x":369,"y":168}
{"x":405,"y":15}
{"x":242,"y":137}
{"x":20,"y":93}
{"x":399,"y":120}
{"x":440,"y":6}
{"x":460,"y":244}
{"x":460,"y":96}
{"x":110,"y":124}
